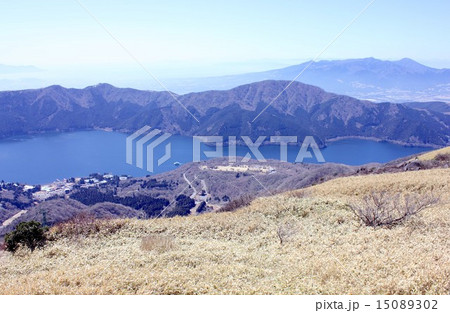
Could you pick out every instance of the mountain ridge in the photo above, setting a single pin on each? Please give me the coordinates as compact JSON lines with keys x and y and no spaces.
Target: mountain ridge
{"x":301,"y":110}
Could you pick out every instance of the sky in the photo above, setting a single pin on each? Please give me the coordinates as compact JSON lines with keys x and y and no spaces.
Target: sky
{"x":176,"y":38}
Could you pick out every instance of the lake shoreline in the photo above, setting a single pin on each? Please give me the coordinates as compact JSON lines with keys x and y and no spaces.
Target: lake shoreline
{"x":396,"y":142}
{"x":239,"y":142}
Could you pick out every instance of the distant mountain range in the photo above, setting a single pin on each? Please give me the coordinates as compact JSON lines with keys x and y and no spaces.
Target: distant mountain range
{"x":11,"y":69}
{"x":370,"y":79}
{"x":301,"y":110}
{"x":396,"y":81}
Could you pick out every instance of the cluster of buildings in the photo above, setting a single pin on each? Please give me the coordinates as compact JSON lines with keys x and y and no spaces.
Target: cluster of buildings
{"x":61,"y":188}
{"x":58,"y":188}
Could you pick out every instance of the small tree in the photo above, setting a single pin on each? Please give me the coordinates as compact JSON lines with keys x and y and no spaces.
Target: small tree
{"x":30,"y":234}
{"x":202,"y":208}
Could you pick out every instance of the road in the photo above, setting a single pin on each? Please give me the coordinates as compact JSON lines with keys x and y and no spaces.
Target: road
{"x":12,"y":218}
{"x":190,"y":184}
{"x":204,"y":186}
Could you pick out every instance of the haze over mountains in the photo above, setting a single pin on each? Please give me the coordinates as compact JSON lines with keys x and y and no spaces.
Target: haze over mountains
{"x":369,"y":78}
{"x":302,"y":110}
{"x":404,"y":80}
{"x":11,"y":69}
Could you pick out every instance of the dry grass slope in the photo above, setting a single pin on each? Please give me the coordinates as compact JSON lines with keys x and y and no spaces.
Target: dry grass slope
{"x":324,"y":249}
{"x":432,"y":154}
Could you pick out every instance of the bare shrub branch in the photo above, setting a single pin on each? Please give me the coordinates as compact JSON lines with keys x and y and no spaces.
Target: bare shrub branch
{"x":384,"y":208}
{"x":238,"y":203}
{"x":285,"y":230}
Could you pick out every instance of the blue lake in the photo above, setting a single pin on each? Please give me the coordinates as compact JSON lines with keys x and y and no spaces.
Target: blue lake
{"x":44,"y":158}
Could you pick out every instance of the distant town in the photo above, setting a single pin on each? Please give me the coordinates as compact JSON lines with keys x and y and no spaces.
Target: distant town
{"x":60,"y":188}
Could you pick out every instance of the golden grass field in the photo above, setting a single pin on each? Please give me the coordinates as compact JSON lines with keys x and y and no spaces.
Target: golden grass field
{"x":325,"y":249}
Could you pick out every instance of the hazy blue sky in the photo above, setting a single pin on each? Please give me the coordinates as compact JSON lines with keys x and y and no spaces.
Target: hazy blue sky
{"x":220,"y":36}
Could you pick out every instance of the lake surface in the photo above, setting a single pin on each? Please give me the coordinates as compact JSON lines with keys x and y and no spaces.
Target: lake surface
{"x":44,"y":158}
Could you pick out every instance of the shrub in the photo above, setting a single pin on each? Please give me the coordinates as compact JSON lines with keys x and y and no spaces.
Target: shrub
{"x":301,"y":193}
{"x":284,"y":231}
{"x":30,"y":234}
{"x":442,"y":157}
{"x":85,"y":224}
{"x":238,"y":203}
{"x":386,"y":208}
{"x":157,"y":242}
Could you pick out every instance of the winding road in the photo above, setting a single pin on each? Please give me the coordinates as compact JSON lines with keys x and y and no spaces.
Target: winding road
{"x":191,"y":185}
